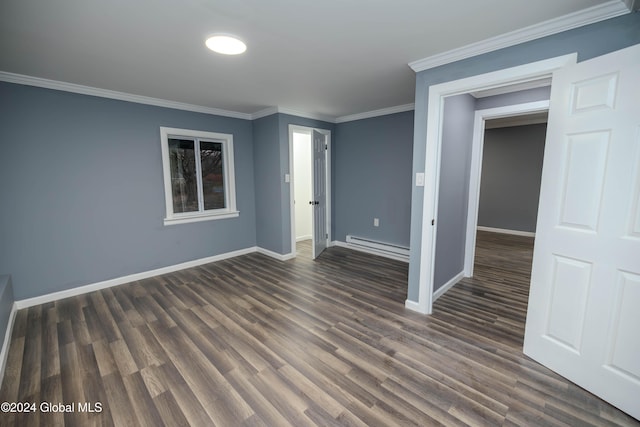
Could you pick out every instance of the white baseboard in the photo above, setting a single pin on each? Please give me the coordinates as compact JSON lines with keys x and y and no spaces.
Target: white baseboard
{"x":29,"y":302}
{"x":303,"y":238}
{"x":414,"y":306}
{"x":369,"y":251}
{"x":444,"y":288}
{"x":279,"y":257}
{"x":507,"y":231}
{"x":4,"y":354}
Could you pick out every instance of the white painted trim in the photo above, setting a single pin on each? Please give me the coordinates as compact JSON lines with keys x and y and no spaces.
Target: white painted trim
{"x":146,"y":100}
{"x":412,"y":305}
{"x":229,"y":176}
{"x":475,"y":174}
{"x":346,"y":245}
{"x":303,"y":238}
{"x":4,"y":354}
{"x":535,"y":84}
{"x":274,"y":110}
{"x":632,"y":5}
{"x":435,"y":102}
{"x":30,"y":302}
{"x":264,"y":113}
{"x":506,"y":231}
{"x":597,"y":13}
{"x":199,"y":216}
{"x":312,"y":116}
{"x":444,"y":288}
{"x":120,"y":96}
{"x":275,"y":255}
{"x":376,"y":113}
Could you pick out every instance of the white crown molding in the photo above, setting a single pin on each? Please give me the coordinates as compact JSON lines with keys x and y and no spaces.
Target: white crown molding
{"x":121,"y":96}
{"x":607,"y":10}
{"x":632,"y":5}
{"x":375,"y":113}
{"x":138,"y":99}
{"x":264,"y":113}
{"x":273,"y":110}
{"x":311,"y":116}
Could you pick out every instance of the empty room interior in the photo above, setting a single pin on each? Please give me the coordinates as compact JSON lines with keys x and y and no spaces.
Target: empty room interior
{"x":315,"y":214}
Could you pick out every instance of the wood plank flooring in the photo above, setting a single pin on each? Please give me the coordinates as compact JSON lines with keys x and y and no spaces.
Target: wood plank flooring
{"x":252,"y":341}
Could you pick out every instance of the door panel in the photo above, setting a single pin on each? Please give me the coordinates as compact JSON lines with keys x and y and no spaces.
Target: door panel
{"x":583,"y":316}
{"x":319,"y":194}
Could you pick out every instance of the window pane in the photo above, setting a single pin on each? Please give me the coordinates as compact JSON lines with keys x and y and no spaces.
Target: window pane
{"x":212,"y":175}
{"x":184,"y":187}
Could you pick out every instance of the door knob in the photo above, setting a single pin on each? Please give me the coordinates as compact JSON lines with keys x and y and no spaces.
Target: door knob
{"x":314,"y":202}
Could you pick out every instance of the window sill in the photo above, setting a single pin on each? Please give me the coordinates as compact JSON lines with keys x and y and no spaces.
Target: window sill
{"x":200,"y":217}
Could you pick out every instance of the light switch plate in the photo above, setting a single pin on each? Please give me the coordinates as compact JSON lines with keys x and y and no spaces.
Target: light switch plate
{"x":420,"y":179}
{"x":287,"y":177}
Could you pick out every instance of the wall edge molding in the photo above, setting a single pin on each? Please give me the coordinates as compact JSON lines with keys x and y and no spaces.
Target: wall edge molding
{"x":83,"y":289}
{"x":591,"y":15}
{"x":507,"y":231}
{"x":444,"y":288}
{"x":275,"y":255}
{"x":120,"y":96}
{"x":26,"y":80}
{"x":4,"y":354}
{"x":375,"y":113}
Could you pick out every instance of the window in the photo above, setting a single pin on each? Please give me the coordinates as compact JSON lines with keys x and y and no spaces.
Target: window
{"x":198,"y":171}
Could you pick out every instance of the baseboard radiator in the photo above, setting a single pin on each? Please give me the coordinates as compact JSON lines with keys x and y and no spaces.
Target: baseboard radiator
{"x":378,"y":248}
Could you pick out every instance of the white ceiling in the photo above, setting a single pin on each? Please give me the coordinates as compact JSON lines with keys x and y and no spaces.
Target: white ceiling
{"x":330,"y":57}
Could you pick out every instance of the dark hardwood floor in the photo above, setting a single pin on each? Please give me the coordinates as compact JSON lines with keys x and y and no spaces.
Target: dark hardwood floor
{"x":252,"y":341}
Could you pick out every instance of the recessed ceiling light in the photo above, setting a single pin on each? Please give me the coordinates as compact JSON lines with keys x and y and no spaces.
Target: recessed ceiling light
{"x":226,"y":45}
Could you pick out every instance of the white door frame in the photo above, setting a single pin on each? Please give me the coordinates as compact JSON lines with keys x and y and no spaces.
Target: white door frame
{"x":481,"y":116}
{"x":292,"y":225}
{"x":436,"y":96}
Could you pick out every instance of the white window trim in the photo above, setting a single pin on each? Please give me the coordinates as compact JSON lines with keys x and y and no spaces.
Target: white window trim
{"x":229,"y":177}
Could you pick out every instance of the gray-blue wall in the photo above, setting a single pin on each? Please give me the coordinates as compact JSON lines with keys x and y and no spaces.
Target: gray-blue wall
{"x":513,"y":98}
{"x":511,"y":173}
{"x":82,"y":190}
{"x":589,"y":41}
{"x":271,"y":163}
{"x":453,"y":191}
{"x":268,"y":183}
{"x":372,"y":178}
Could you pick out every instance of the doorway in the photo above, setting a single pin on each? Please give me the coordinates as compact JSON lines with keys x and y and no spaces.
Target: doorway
{"x":512,"y":116}
{"x":310,"y":192}
{"x":436,"y":99}
{"x":581,"y":318}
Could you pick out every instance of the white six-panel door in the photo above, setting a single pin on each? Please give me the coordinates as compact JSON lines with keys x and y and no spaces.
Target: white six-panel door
{"x":319,"y":194}
{"x":583,"y":316}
